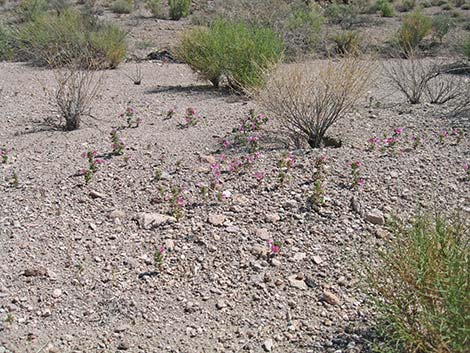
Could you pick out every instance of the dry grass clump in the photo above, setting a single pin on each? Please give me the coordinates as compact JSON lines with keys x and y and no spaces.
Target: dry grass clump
{"x":308,"y":98}
{"x":423,"y":286}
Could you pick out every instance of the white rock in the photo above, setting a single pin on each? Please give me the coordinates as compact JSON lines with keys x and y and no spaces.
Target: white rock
{"x":153,"y":220}
{"x":57,"y":293}
{"x":268,"y":345}
{"x":216,"y":219}
{"x":296,"y":283}
{"x":375,"y":217}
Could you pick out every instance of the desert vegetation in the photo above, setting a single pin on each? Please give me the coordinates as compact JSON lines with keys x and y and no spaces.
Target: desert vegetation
{"x":234,"y":176}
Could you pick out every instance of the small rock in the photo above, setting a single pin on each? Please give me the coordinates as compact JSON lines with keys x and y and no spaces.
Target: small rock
{"x":153,"y":220}
{"x":296,"y":283}
{"x":300,"y":256}
{"x":117,"y":214}
{"x":92,"y":226}
{"x":35,"y":272}
{"x":268,"y":345}
{"x":123,"y":346}
{"x":381,"y":233}
{"x":46,"y":313}
{"x":290,"y":204}
{"x":263,"y":233}
{"x":375,"y":217}
{"x":169,"y":244}
{"x":276,"y":263}
{"x":317,"y":260}
{"x":121,"y":328}
{"x":272,"y":217}
{"x":232,"y":229}
{"x":57,"y":293}
{"x":331,"y":298}
{"x":216,"y":219}
{"x":208,"y":159}
{"x":97,"y":195}
{"x":220,"y":304}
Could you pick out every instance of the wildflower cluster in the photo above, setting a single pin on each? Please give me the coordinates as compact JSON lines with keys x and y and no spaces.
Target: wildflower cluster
{"x":274,"y":247}
{"x":357,"y":180}
{"x":171,"y":113}
{"x":318,"y":193}
{"x":176,"y":202}
{"x":93,"y":163}
{"x":191,"y":118}
{"x":130,"y":114}
{"x":159,"y":257}
{"x":285,"y":164}
{"x":259,"y":176}
{"x":4,"y":155}
{"x":246,"y":133}
{"x":386,"y":141}
{"x":117,"y":144}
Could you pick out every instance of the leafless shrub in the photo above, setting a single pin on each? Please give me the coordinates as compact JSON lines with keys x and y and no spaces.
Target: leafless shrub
{"x":77,"y":87}
{"x":308,"y":98}
{"x":417,"y":79}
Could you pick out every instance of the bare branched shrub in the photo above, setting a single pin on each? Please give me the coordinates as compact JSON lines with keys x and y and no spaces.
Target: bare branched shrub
{"x":418,"y":78}
{"x":308,"y":98}
{"x":77,"y":87}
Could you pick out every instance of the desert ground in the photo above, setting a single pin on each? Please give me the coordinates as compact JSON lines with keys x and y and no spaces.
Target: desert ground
{"x":77,"y":267}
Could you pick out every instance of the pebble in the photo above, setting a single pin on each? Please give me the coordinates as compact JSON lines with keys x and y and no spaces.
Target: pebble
{"x":117,"y":214}
{"x":57,"y":293}
{"x":272,"y":217}
{"x":263,"y":233}
{"x":153,"y":220}
{"x":220,"y":304}
{"x":296,"y":283}
{"x":331,"y":298}
{"x":375,"y":217}
{"x":300,"y":256}
{"x":268,"y":345}
{"x":97,"y":195}
{"x":216,"y":219}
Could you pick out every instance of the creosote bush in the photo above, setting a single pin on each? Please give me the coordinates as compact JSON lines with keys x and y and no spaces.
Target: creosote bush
{"x":422,"y":285}
{"x":347,"y":43}
{"x":122,"y":6}
{"x":67,"y":35}
{"x":155,"y":8}
{"x":30,"y":10}
{"x":385,"y":8}
{"x":414,"y":28}
{"x":308,"y":98}
{"x":299,"y":23}
{"x":179,"y":8}
{"x":237,"y":52}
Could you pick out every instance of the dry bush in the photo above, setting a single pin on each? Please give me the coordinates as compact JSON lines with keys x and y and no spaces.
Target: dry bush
{"x":308,"y":98}
{"x":77,"y":87}
{"x":417,"y":79}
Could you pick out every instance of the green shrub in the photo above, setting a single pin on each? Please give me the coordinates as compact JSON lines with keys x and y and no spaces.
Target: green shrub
{"x":155,"y":7}
{"x":385,"y":8}
{"x":59,"y":6}
{"x":179,"y":8}
{"x":406,"y":5}
{"x":423,"y":282}
{"x":122,"y":6}
{"x":298,"y":23}
{"x":29,"y":10}
{"x":236,"y":51}
{"x":465,"y":48}
{"x":347,"y":42}
{"x":441,"y":24}
{"x":414,"y":28}
{"x":53,"y":40}
{"x":341,"y":14}
{"x":6,"y":50}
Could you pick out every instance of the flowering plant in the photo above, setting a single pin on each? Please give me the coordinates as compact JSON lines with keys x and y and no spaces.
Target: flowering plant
{"x":117,"y":144}
{"x":317,"y":197}
{"x":131,"y":117}
{"x":171,"y":113}
{"x":466,"y":167}
{"x":93,"y":163}
{"x":192,"y":118}
{"x":274,"y":247}
{"x":4,"y":155}
{"x":357,"y":180}
{"x":159,"y":257}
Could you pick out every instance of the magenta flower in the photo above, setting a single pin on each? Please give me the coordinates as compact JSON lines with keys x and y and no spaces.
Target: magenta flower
{"x":397,"y":131}
{"x":259,"y":176}
{"x":180,"y":201}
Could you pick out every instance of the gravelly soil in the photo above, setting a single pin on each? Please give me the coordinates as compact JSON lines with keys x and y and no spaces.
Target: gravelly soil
{"x":71,"y":254}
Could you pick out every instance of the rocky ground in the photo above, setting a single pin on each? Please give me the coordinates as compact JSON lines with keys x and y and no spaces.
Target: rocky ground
{"x":77,"y":261}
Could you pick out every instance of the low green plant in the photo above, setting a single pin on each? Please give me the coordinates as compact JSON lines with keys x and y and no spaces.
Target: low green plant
{"x":422,"y":285}
{"x":155,"y":7}
{"x":179,"y":8}
{"x":29,"y":10}
{"x":441,"y":24}
{"x":235,"y":51}
{"x":345,"y":15}
{"x":58,"y":39}
{"x":122,"y":6}
{"x":6,"y":50}
{"x":465,"y":47}
{"x":414,"y":28}
{"x":385,"y":8}
{"x":406,"y":5}
{"x":347,"y":42}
